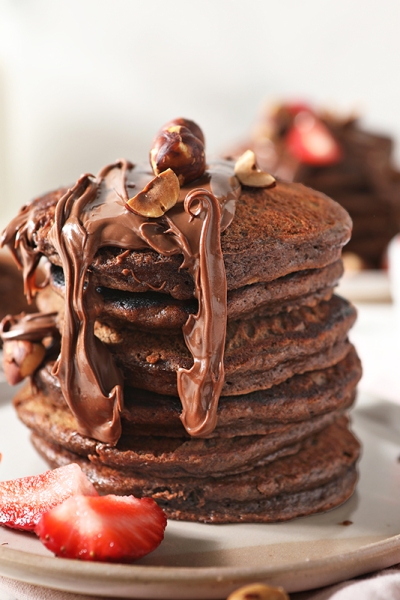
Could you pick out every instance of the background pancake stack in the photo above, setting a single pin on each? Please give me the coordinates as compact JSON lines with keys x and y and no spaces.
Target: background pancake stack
{"x":340,"y":158}
{"x":12,"y":298}
{"x":281,"y":447}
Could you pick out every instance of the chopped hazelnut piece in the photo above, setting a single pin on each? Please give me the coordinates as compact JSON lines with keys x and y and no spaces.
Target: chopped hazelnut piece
{"x":248,"y":173}
{"x":21,"y":359}
{"x":159,"y":195}
{"x":153,"y":358}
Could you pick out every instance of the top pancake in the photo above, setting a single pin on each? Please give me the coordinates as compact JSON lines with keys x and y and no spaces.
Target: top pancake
{"x":275,"y":231}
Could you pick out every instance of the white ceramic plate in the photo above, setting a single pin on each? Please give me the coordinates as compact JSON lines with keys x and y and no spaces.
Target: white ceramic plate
{"x":209,"y":561}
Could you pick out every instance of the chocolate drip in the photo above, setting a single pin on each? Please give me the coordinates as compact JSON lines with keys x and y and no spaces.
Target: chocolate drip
{"x":80,"y":365}
{"x":92,"y":215}
{"x":199,"y":387}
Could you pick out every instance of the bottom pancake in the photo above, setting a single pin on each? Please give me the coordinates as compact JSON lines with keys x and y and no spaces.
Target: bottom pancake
{"x":320,"y":476}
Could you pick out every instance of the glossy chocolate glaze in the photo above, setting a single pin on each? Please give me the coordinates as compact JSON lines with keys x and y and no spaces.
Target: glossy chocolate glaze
{"x":92,"y":215}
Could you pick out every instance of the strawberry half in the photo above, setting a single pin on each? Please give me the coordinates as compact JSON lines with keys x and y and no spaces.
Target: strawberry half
{"x":24,"y":500}
{"x":311,"y":142}
{"x":103,"y":528}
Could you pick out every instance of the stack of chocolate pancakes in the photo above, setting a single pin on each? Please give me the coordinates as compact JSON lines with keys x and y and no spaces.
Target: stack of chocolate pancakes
{"x":339,"y":157}
{"x":199,"y":357}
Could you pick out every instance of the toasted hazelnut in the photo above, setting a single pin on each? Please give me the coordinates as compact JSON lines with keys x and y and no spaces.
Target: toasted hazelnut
{"x":248,"y":173}
{"x":178,"y":149}
{"x":258,"y":591}
{"x":21,"y":358}
{"x":159,"y":195}
{"x":191,"y":125}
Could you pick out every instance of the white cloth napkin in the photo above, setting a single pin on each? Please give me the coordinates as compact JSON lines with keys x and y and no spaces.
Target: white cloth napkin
{"x":383,"y":585}
{"x":17,"y":590}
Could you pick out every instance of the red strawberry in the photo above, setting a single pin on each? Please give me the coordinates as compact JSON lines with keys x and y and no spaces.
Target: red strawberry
{"x":104,"y":528}
{"x":311,"y":142}
{"x":22,"y":501}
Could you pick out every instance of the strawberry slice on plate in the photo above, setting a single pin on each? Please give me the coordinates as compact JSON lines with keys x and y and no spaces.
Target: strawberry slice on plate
{"x":103,"y":528}
{"x":24,"y":500}
{"x":310,"y":141}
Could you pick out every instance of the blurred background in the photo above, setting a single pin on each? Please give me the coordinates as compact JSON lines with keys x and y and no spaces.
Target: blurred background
{"x":84,"y":82}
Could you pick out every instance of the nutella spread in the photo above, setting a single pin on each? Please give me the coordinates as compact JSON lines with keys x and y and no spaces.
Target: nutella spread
{"x":93,"y":214}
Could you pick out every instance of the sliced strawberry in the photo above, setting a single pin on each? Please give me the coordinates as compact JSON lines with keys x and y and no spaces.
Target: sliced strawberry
{"x":311,"y":142}
{"x":103,"y":528}
{"x":23,"y":501}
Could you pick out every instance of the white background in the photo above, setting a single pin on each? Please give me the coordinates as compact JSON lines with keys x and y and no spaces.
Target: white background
{"x":84,"y":82}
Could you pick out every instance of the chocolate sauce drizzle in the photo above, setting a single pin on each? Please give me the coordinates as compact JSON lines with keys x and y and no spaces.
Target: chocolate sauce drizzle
{"x":199,"y":387}
{"x":92,"y":215}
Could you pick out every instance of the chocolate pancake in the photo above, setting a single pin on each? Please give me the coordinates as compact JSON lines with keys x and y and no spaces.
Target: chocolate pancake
{"x":285,"y":426}
{"x":170,"y":457}
{"x":145,"y":413}
{"x":152,"y":310}
{"x":259,"y":352}
{"x":320,"y":476}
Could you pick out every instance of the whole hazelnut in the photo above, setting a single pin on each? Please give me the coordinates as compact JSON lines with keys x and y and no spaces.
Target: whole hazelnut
{"x":21,"y":358}
{"x":182,"y":122}
{"x":176,"y":147}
